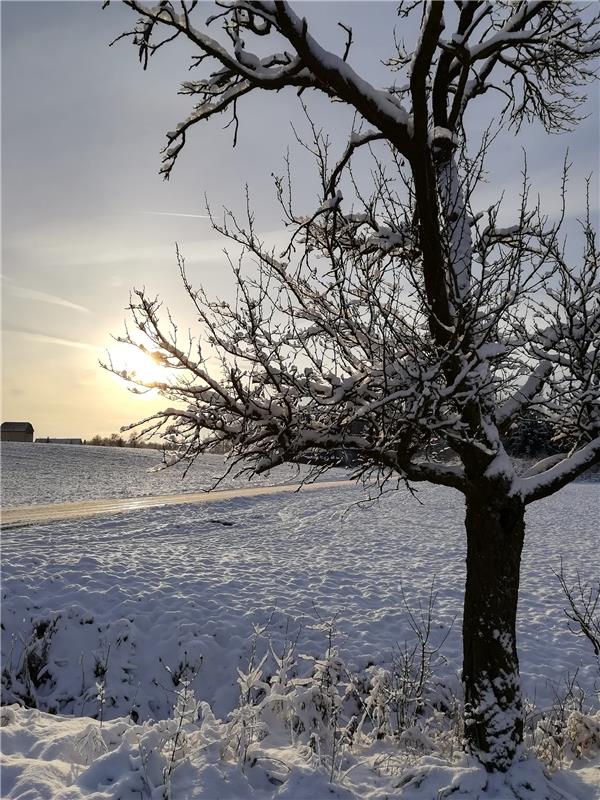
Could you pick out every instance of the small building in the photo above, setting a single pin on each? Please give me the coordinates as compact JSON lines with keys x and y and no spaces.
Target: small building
{"x":16,"y":432}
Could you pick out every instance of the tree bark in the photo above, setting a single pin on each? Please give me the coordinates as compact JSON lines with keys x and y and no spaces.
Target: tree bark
{"x":493,"y":707}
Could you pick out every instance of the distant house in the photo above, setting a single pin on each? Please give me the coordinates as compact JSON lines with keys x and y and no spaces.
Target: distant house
{"x":17,"y":432}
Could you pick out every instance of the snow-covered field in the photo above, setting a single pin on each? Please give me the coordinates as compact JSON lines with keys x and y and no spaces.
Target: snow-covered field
{"x":36,"y":473}
{"x":124,"y":611}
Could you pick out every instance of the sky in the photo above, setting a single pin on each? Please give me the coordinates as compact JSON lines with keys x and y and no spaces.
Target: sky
{"x":86,"y":216}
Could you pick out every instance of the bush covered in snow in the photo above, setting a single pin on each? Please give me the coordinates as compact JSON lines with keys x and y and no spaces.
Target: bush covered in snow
{"x":303,"y":723}
{"x":303,"y":727}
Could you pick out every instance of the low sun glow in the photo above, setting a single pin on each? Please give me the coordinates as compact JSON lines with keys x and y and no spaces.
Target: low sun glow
{"x":140,"y":365}
{"x":146,"y":367}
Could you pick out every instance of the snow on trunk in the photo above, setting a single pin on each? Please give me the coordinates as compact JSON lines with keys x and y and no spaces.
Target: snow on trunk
{"x":458,"y":230}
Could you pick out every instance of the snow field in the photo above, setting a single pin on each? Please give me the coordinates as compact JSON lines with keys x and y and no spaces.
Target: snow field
{"x":36,"y":473}
{"x":113,"y":601}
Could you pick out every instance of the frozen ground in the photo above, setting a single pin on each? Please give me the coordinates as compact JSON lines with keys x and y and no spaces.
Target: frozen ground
{"x":35,"y":473}
{"x":132,"y":597}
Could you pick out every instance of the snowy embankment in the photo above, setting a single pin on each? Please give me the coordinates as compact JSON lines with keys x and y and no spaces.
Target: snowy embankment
{"x":127,"y":618}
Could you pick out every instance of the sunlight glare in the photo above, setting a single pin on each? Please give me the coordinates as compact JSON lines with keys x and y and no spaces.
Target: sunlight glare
{"x":143,"y":366}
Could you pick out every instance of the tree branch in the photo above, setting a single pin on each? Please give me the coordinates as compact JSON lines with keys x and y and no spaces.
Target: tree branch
{"x":553,"y":479}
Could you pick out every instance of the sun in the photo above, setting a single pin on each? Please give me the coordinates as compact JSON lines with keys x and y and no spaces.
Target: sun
{"x":141,"y":365}
{"x":146,"y":368}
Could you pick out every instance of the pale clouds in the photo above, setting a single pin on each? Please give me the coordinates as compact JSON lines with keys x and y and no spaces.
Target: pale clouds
{"x":175,"y":214}
{"x":43,"y":297}
{"x":53,"y":340}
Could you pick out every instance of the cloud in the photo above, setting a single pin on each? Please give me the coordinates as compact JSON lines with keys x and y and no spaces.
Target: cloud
{"x":43,"y":337}
{"x":44,"y":297}
{"x":174,"y":214}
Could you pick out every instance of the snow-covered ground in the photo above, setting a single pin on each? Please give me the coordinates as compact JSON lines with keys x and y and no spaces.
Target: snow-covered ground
{"x":36,"y":473}
{"x":121,"y":609}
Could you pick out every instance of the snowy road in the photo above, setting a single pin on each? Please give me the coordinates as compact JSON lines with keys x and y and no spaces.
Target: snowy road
{"x":55,"y":512}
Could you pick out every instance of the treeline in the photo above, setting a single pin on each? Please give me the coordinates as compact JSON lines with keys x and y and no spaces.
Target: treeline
{"x":116,"y":440}
{"x":533,"y":435}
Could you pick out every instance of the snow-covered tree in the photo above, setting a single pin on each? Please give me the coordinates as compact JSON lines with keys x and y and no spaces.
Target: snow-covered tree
{"x":403,"y":324}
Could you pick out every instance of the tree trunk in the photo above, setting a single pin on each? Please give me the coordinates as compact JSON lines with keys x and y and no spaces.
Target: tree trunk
{"x":493,"y":707}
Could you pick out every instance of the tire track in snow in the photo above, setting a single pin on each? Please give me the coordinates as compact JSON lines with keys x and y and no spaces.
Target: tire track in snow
{"x":59,"y":512}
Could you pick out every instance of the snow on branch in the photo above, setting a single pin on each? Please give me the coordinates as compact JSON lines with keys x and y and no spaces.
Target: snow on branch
{"x":400,"y":327}
{"x":524,"y":394}
{"x":307,"y":66}
{"x":555,"y":477}
{"x":326,"y":354}
{"x":539,"y":56}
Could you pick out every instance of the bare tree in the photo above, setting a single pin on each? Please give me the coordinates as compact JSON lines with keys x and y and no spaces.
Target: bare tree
{"x":401,"y":322}
{"x":583,"y":610}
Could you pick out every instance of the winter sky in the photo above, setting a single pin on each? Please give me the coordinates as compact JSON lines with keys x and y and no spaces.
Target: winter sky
{"x":85,"y":215}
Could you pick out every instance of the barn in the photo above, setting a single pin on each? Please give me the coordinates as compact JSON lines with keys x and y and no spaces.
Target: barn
{"x":16,"y":432}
